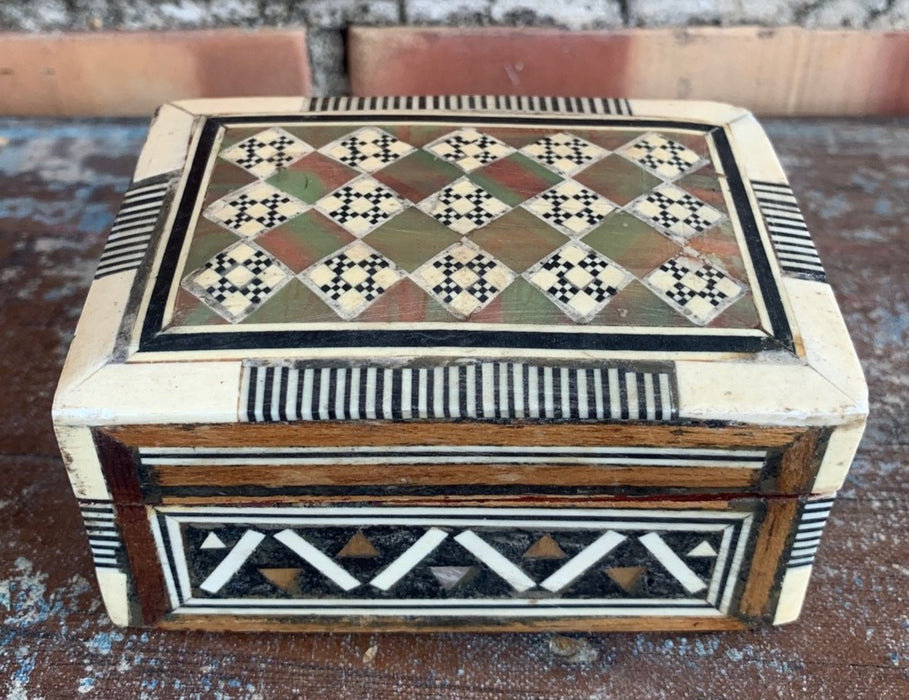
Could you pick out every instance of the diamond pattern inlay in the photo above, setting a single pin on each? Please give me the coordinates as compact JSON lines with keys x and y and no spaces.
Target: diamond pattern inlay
{"x":463,"y":206}
{"x":570,"y":207}
{"x":238,"y":280}
{"x":675,"y":212}
{"x":368,"y":149}
{"x":254,"y":209}
{"x":352,"y":279}
{"x":661,"y":156}
{"x":457,"y":214}
{"x":694,"y":287}
{"x":564,"y":153}
{"x":267,"y":152}
{"x":361,"y":205}
{"x":464,"y":278}
{"x":469,"y":149}
{"x":579,"y":280}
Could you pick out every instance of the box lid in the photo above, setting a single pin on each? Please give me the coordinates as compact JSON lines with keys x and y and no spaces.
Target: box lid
{"x":460,"y":258}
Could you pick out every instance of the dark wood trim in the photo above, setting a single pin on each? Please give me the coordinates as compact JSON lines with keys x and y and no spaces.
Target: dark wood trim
{"x":118,"y":462}
{"x":454,"y":475}
{"x":387,"y":433}
{"x":767,"y":565}
{"x":229,"y":623}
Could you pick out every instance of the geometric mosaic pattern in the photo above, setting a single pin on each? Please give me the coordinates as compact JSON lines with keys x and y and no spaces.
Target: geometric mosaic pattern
{"x":361,"y":205}
{"x":267,"y":152}
{"x":564,"y":153}
{"x":464,"y":278}
{"x":696,"y":288}
{"x":676,"y":212}
{"x":578,"y":280}
{"x":238,"y":280}
{"x":540,"y":212}
{"x":352,"y":279}
{"x":570,"y":207}
{"x":522,"y":562}
{"x":661,"y":156}
{"x":367,"y":149}
{"x":255,"y":209}
{"x":469,"y":149}
{"x":463,"y":206}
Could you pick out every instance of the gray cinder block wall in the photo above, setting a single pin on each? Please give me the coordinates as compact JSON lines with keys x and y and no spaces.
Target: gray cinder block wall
{"x":327,"y":19}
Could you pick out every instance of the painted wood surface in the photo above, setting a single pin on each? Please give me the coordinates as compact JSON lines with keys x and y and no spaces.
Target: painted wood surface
{"x":859,"y":564}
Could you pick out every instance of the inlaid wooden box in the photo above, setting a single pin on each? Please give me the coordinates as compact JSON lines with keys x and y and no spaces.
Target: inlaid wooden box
{"x":458,"y":363}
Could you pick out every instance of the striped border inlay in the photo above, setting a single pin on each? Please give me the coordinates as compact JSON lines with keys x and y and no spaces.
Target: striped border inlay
{"x":103,"y":534}
{"x":132,"y":229}
{"x":788,"y":232}
{"x":474,"y":103}
{"x":808,"y":535}
{"x":487,"y":391}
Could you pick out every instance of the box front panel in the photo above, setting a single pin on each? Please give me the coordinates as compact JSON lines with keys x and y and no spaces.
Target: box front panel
{"x":251,"y":527}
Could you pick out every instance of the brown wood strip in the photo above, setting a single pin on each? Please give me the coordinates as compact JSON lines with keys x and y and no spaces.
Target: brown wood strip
{"x":609,"y":624}
{"x":385,"y":433}
{"x":771,"y":541}
{"x":454,"y":475}
{"x":119,"y":465}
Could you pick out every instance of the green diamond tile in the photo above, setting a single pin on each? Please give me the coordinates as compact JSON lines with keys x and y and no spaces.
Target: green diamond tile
{"x":405,"y":302}
{"x":617,"y":179}
{"x":225,"y":178}
{"x":721,"y":248}
{"x":742,"y":313}
{"x":312,"y":177}
{"x":517,"y":137}
{"x":411,"y":238}
{"x":293,"y":303}
{"x":518,"y":239}
{"x":514,"y":179}
{"x":521,"y":303}
{"x":631,"y":243}
{"x":304,"y":240}
{"x":208,"y":240}
{"x":418,"y":135}
{"x":189,"y":310}
{"x":705,"y":186}
{"x":318,"y":135}
{"x":636,"y":305}
{"x":418,"y":175}
{"x":607,"y":138}
{"x":235,"y":134}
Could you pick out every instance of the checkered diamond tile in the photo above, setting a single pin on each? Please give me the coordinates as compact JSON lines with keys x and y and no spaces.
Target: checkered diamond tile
{"x":253,"y":209}
{"x":267,"y":152}
{"x":694,"y":287}
{"x":464,"y":278}
{"x":675,"y":212}
{"x":570,"y":207}
{"x":564,"y":153}
{"x":661,"y":155}
{"x":578,"y":280}
{"x":469,"y":149}
{"x":368,"y":149}
{"x":238,"y":280}
{"x":463,"y":206}
{"x":352,"y":278}
{"x":361,"y":205}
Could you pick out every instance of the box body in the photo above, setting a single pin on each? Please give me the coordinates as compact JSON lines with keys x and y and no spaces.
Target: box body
{"x":458,"y":363}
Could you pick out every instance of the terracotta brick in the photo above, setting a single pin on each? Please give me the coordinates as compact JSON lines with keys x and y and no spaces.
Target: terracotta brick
{"x":131,"y":73}
{"x":786,"y":71}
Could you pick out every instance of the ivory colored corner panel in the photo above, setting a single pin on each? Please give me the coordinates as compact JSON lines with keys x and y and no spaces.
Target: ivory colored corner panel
{"x":458,"y":363}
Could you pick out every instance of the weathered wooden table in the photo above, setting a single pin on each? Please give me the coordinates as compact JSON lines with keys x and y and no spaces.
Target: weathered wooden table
{"x":60,"y":184}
